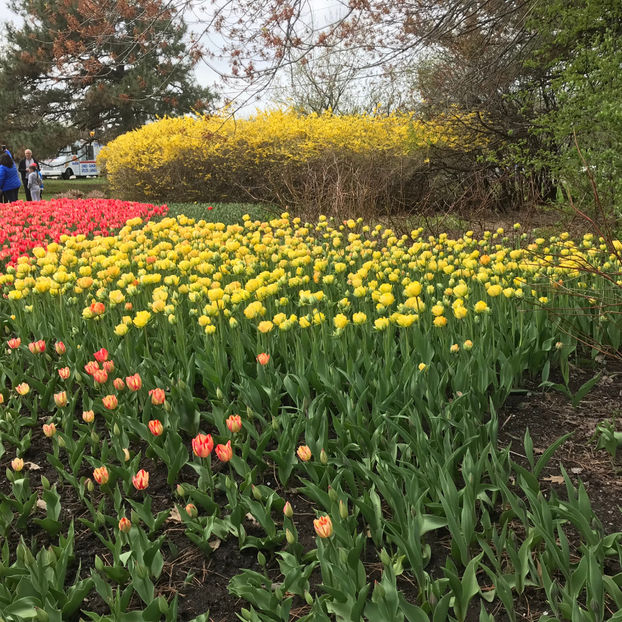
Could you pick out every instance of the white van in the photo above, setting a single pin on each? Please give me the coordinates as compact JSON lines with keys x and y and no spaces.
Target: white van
{"x":77,"y":160}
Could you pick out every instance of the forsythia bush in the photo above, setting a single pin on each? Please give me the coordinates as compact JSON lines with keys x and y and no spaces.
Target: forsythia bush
{"x":316,"y":163}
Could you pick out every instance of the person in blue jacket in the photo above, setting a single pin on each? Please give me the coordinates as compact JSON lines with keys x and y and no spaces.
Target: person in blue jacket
{"x":9,"y":177}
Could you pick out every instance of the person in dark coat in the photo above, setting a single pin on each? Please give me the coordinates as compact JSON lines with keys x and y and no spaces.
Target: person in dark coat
{"x":9,"y":177}
{"x":23,"y":167}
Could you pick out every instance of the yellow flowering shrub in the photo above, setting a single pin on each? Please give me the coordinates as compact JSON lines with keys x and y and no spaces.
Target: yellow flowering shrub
{"x":318,"y":163}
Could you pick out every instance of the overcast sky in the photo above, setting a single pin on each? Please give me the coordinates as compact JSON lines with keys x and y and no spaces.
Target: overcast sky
{"x":209,"y":72}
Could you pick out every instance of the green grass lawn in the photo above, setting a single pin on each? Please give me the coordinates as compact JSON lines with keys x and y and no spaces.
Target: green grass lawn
{"x":53,"y":187}
{"x":227,"y":213}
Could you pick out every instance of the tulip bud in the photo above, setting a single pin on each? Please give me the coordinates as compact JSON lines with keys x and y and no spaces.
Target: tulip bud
{"x":288,"y":510}
{"x":219,"y":393}
{"x":61,"y":441}
{"x":308,"y":597}
{"x":290,"y":537}
{"x":275,"y":423}
{"x":323,"y":457}
{"x":89,"y":484}
{"x":116,"y":430}
{"x":45,"y":482}
{"x":256,"y":493}
{"x":343,"y":509}
{"x":126,"y":454}
{"x":180,"y":490}
{"x":332,"y":494}
{"x":125,"y":525}
{"x":191,"y":510}
{"x":99,"y":564}
{"x":94,"y":437}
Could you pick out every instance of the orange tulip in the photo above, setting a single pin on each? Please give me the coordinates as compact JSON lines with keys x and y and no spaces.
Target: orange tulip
{"x":64,"y":372}
{"x":60,"y":399}
{"x":155,"y":427}
{"x":134,"y":383}
{"x":191,"y":510}
{"x":141,"y":480}
{"x":14,"y":343}
{"x":202,"y":445}
{"x":91,"y":367}
{"x":49,"y":429}
{"x":118,"y":384}
{"x":22,"y":388}
{"x":224,"y":452}
{"x":157,"y":396}
{"x":125,"y":525}
{"x":110,"y":402}
{"x":304,"y":453}
{"x":234,"y":423}
{"x":97,"y":308}
{"x":17,"y":464}
{"x":60,"y":348}
{"x":100,"y":475}
{"x":263,"y":358}
{"x":100,"y":376}
{"x":108,"y":366}
{"x":88,"y":416}
{"x":37,"y":347}
{"x":323,"y":526}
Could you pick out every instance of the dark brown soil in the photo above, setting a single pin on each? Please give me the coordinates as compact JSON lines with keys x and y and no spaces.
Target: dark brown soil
{"x":548,"y":416}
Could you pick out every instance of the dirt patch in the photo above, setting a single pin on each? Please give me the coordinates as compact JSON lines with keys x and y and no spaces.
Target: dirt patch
{"x":549,"y":415}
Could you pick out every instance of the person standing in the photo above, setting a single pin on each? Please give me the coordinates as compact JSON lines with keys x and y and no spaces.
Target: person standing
{"x":23,"y":167}
{"x":9,"y":177}
{"x":34,"y":183}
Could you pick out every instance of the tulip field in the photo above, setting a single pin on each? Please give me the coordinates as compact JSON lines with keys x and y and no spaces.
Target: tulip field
{"x":278,"y":420}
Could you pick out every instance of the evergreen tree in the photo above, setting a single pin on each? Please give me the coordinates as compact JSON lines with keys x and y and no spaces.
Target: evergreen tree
{"x":104,"y":65}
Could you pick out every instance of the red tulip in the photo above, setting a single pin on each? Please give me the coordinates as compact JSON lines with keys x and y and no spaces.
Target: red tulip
{"x":202,"y":445}
{"x":101,"y":355}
